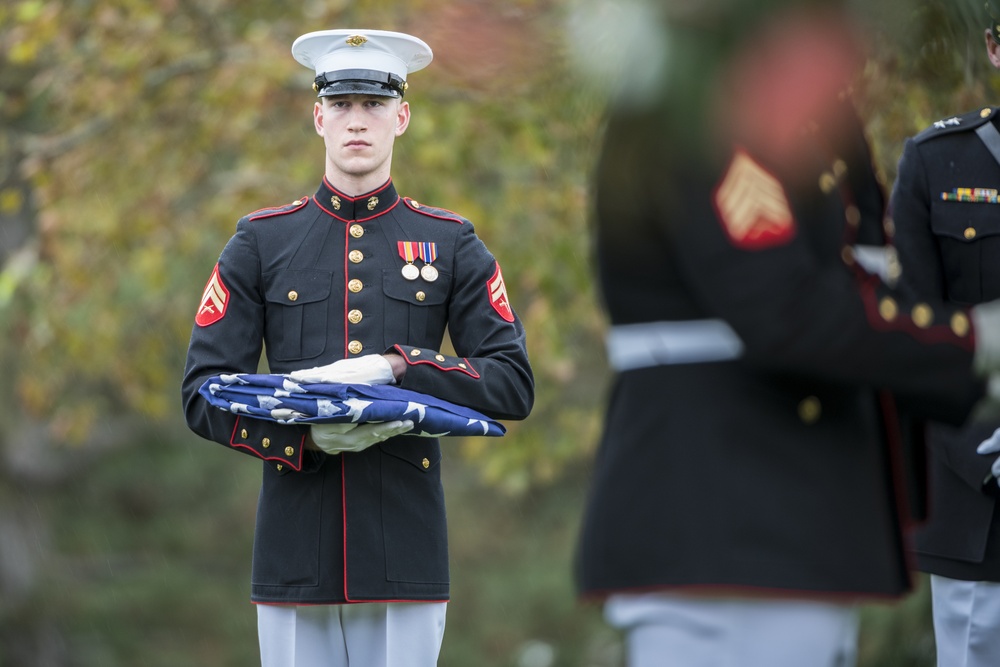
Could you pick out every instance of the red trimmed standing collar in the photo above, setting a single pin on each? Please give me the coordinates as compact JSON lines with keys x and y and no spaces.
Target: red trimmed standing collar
{"x":356,"y":209}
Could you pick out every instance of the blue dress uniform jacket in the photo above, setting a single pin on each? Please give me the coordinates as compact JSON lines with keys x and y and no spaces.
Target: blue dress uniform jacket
{"x":779,"y":472}
{"x":947,"y":215}
{"x":320,"y":280}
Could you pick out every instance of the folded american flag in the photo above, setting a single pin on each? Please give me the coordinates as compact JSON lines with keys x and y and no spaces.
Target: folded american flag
{"x":280,"y":399}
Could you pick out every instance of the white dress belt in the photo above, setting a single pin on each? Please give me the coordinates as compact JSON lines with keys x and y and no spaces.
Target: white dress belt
{"x":647,"y":344}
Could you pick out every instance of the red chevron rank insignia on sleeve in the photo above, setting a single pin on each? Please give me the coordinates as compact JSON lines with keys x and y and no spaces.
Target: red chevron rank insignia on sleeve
{"x":213,"y":301}
{"x":498,"y":295}
{"x":752,"y":205}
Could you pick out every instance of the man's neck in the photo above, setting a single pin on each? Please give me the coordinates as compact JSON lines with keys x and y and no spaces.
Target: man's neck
{"x":354,"y":186}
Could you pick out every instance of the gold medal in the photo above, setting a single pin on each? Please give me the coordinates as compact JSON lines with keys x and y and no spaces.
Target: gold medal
{"x":410,"y":272}
{"x":428,"y":273}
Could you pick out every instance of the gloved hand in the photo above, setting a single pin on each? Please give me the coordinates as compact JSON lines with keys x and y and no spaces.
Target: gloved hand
{"x":986,"y":319}
{"x":369,"y":369}
{"x":337,"y":438}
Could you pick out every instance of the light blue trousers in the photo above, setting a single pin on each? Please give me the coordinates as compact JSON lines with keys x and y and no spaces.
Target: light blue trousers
{"x":669,"y":630}
{"x":966,"y":622}
{"x":398,"y":634}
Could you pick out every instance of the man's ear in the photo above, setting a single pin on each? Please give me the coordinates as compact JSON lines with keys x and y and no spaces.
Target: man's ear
{"x":402,"y":118}
{"x":318,"y":117}
{"x":992,"y":49}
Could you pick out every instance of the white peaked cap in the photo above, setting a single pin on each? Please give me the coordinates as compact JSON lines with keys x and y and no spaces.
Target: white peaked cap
{"x":361,"y":61}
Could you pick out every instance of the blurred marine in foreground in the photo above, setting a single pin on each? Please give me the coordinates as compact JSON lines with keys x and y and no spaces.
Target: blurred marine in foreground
{"x":945,"y":208}
{"x":755,"y":479}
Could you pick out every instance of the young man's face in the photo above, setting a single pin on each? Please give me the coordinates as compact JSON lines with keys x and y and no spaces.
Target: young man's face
{"x":359,"y":131}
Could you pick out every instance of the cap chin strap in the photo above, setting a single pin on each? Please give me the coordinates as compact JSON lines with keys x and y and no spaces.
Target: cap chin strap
{"x":388,"y":79}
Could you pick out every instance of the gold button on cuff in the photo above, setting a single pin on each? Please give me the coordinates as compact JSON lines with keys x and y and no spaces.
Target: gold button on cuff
{"x":847,"y":254}
{"x":355,"y":286}
{"x":355,"y":347}
{"x":960,"y":324}
{"x":439,"y":357}
{"x":425,"y":463}
{"x":414,"y":353}
{"x":888,"y":309}
{"x":840,"y":168}
{"x":293,"y":296}
{"x":354,"y":316}
{"x":421,"y":296}
{"x":853,"y":216}
{"x":889,"y":225}
{"x":244,"y":434}
{"x":810,"y":410}
{"x":923,"y":315}
{"x":970,"y":233}
{"x":357,"y":231}
{"x":265,"y":443}
{"x":356,"y":256}
{"x":289,"y":451}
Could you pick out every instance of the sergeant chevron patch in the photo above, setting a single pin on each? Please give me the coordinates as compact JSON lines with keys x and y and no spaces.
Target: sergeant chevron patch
{"x":213,"y":301}
{"x":752,"y":205}
{"x":498,"y":295}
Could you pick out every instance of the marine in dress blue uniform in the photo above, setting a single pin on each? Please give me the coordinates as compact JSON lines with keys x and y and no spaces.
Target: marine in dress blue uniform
{"x":947,"y":214}
{"x":344,"y":275}
{"x":752,"y":481}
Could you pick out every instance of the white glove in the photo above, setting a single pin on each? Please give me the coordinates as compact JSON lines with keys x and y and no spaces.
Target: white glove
{"x":336,"y":438}
{"x":369,"y":369}
{"x":986,"y":318}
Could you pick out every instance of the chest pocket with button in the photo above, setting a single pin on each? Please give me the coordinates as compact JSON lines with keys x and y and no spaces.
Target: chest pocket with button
{"x":295,"y":321}
{"x":968,"y":235}
{"x":416,"y":310}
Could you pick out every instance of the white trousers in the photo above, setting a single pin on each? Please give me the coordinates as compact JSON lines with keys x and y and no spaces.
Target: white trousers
{"x":966,"y":622}
{"x":398,"y":634}
{"x":669,"y":630}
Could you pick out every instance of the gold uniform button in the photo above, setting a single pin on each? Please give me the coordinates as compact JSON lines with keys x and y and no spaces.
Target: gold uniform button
{"x":289,"y":451}
{"x":425,"y":463}
{"x":414,"y":353}
{"x":355,"y":347}
{"x":357,"y":231}
{"x":960,"y":324}
{"x":462,"y":366}
{"x":293,"y":296}
{"x":810,"y":410}
{"x":265,"y":443}
{"x":415,"y":203}
{"x":354,"y":316}
{"x":888,"y":309}
{"x":355,"y":286}
{"x":923,"y":315}
{"x":244,"y":434}
{"x":827,"y":182}
{"x":970,"y":233}
{"x":985,"y":112}
{"x":280,"y":467}
{"x":439,"y":357}
{"x":421,"y":296}
{"x":840,"y":168}
{"x":356,"y":256}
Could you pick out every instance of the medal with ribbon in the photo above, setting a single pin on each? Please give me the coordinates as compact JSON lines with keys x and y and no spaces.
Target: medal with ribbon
{"x":408,"y":251}
{"x":428,"y":253}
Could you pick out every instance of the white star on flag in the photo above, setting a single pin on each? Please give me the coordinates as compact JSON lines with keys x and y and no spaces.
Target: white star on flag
{"x":355,"y":407}
{"x":419,"y":408}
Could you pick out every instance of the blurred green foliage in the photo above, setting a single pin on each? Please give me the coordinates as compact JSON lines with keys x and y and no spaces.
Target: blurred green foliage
{"x":133,"y":134}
